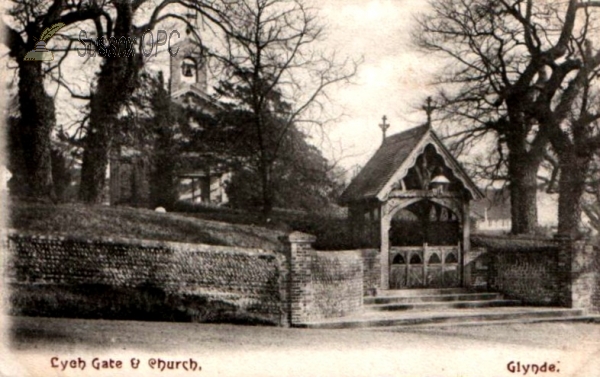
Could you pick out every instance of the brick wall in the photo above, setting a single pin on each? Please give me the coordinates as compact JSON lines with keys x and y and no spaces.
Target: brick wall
{"x":527,"y":276}
{"x":585,"y":277}
{"x":251,"y":280}
{"x":371,"y":271}
{"x":337,"y":283}
{"x":520,"y":268}
{"x":322,"y":284}
{"x":476,"y":270}
{"x":558,"y":272}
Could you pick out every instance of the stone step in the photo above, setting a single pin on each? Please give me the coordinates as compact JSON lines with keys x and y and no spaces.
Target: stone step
{"x":432,"y":298}
{"x":575,"y":318}
{"x":410,"y":318}
{"x":420,"y":292}
{"x":444,"y":304}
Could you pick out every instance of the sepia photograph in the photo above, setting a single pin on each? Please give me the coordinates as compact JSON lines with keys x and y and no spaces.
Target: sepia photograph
{"x":300,"y":188}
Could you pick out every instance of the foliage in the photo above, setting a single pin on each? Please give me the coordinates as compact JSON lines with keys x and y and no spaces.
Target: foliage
{"x":276,"y":78}
{"x":163,"y":189}
{"x":61,"y":174}
{"x":299,"y":175}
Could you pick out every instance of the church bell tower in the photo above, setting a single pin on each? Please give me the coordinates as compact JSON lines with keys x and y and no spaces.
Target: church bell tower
{"x":188,"y":67}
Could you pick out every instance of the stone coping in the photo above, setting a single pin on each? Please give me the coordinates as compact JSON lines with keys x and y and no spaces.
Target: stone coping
{"x":179,"y":246}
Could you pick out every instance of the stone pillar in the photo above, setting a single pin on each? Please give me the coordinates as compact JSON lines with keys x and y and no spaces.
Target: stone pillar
{"x":300,"y":294}
{"x":563,"y":270}
{"x":584,"y":277}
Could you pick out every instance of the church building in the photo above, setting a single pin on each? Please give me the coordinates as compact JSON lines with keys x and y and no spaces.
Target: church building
{"x":200,"y":183}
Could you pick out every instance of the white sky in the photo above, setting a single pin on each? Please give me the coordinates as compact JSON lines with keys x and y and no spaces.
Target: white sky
{"x":392,"y":81}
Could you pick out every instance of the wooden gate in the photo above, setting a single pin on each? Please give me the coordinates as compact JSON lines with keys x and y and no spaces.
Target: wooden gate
{"x":425,"y":267}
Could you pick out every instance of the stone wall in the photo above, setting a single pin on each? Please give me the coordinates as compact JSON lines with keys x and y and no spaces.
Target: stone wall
{"x":476,"y":269}
{"x":252,"y":281}
{"x":322,"y":284}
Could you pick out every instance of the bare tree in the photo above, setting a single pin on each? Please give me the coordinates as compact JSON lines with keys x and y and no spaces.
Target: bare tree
{"x":509,"y":60}
{"x":37,"y":119}
{"x":119,"y":75}
{"x":277,"y":74}
{"x":576,"y":139}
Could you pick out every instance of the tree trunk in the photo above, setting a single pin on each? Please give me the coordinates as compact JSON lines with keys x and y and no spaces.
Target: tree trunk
{"x":267,"y":191}
{"x":97,"y":145}
{"x":117,"y":81}
{"x":571,"y":185}
{"x":523,"y":192}
{"x":163,"y":189}
{"x":35,"y":128}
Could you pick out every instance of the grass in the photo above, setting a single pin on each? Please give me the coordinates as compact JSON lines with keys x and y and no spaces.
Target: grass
{"x":190,"y":223}
{"x":330,"y":227}
{"x":125,"y":222}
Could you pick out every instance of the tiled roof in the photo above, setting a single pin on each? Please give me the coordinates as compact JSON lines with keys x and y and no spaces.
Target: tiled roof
{"x":384,"y":163}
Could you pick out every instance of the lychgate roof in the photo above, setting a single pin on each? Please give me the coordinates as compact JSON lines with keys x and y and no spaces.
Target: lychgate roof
{"x":392,"y":160}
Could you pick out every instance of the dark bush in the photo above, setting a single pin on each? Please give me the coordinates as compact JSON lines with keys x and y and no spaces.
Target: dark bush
{"x":143,"y":303}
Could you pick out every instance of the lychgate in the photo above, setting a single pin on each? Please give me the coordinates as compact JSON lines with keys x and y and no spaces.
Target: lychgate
{"x":411,"y":200}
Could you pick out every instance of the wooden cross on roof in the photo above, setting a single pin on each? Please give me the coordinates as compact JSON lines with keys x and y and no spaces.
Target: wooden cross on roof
{"x":429,"y":107}
{"x":384,"y":126}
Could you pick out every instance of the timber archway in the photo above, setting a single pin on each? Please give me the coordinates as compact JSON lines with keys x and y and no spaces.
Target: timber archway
{"x":411,"y":200}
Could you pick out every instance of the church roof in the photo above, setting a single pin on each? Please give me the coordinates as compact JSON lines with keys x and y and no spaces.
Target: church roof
{"x":202,"y":99}
{"x":392,"y":160}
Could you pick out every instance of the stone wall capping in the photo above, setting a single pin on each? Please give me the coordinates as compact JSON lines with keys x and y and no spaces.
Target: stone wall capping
{"x":299,"y":237}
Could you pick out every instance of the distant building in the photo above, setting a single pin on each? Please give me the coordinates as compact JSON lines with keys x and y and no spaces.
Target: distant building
{"x":129,"y":171}
{"x":492,"y":213}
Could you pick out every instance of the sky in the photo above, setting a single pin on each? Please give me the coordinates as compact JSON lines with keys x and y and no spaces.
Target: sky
{"x":393,"y":80}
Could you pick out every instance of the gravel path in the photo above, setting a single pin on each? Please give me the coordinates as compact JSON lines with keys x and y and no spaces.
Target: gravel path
{"x":229,"y":350}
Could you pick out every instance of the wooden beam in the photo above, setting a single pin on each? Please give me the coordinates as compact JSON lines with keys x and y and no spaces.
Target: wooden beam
{"x":421,"y":194}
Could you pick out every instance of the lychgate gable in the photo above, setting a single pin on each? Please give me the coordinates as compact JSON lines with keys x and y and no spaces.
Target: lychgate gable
{"x":404,"y":154}
{"x":412,"y":199}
